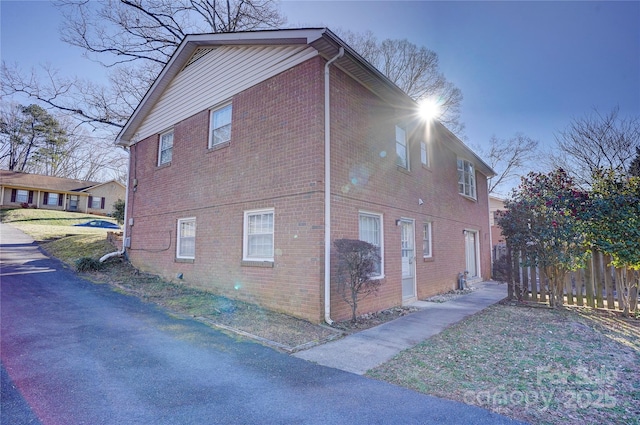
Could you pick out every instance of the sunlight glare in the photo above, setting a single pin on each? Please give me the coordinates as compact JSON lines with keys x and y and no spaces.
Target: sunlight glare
{"x":429,"y":109}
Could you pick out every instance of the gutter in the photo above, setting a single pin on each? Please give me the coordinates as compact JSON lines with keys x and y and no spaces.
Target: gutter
{"x":327,"y":190}
{"x":124,"y":225}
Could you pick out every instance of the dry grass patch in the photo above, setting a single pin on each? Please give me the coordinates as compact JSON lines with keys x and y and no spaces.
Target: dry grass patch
{"x":275,"y":329}
{"x":535,"y":364}
{"x":47,"y":225}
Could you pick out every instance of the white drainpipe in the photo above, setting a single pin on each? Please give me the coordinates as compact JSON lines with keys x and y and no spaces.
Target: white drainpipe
{"x":124,"y":225}
{"x":327,"y":190}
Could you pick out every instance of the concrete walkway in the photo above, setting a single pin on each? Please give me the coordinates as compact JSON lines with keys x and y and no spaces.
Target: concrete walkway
{"x":359,"y":352}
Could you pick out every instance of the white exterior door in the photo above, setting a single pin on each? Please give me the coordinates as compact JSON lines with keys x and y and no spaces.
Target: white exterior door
{"x":471,"y":253}
{"x":408,"y":259}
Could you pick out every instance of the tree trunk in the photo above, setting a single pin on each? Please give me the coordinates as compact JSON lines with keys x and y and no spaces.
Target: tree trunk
{"x":354,"y":305}
{"x":623,"y":289}
{"x":555,"y":277}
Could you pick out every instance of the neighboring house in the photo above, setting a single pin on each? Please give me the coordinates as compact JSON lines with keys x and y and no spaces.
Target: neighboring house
{"x":56,"y":193}
{"x":496,"y":205}
{"x":231,"y":156}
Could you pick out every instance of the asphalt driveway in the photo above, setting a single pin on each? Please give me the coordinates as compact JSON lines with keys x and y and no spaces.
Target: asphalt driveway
{"x":74,"y":352}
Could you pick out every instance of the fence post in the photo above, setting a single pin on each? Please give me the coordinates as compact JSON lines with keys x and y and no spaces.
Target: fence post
{"x":597,"y":277}
{"x":534,"y":283}
{"x":579,"y":286}
{"x":510,"y":274}
{"x":634,"y":279}
{"x":525,"y":283}
{"x":608,"y":282}
{"x":568,"y":287}
{"x":517,"y":289}
{"x":588,"y":282}
{"x":543,"y":286}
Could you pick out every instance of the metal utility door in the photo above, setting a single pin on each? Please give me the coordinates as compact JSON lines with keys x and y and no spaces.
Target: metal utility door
{"x":471,"y":252}
{"x":408,"y":242}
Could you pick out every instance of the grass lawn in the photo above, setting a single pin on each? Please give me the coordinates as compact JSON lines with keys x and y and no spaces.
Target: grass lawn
{"x":529,"y":362}
{"x":56,"y":233}
{"x":567,"y":366}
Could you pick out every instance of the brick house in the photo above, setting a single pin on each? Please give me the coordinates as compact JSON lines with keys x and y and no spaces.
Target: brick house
{"x":57,"y":193}
{"x":228,"y":176}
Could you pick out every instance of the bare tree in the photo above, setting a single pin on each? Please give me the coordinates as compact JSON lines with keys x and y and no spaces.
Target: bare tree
{"x":634,"y":167}
{"x":356,"y":265}
{"x":597,"y":141}
{"x":510,"y":159}
{"x":116,"y":32}
{"x":414,"y":69}
{"x":135,"y":39}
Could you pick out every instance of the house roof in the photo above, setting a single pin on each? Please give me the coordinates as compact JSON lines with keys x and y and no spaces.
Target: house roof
{"x":40,"y":182}
{"x":322,"y":39}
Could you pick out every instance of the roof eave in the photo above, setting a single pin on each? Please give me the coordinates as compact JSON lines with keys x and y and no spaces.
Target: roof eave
{"x":322,"y":39}
{"x":460,"y":148}
{"x":184,"y":51}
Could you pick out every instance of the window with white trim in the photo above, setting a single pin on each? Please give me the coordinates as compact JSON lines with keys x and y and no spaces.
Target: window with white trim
{"x":52,"y":199}
{"x":186,"y":237}
{"x":220,"y":124}
{"x":424,"y":155}
{"x":426,"y":240}
{"x":258,"y":235}
{"x":165,"y":148}
{"x":402,"y":154}
{"x":22,"y":196}
{"x":370,"y":230}
{"x":466,"y":178}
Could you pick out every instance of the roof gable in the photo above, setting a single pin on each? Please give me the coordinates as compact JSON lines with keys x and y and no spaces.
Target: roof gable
{"x":213,"y":75}
{"x":198,"y":52}
{"x":190,"y":58}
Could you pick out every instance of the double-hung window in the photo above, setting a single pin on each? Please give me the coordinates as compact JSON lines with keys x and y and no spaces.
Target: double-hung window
{"x":96,"y":203}
{"x":220,"y":124}
{"x":466,"y":178}
{"x":186,"y":246}
{"x":22,"y":196}
{"x":424,"y":155}
{"x":258,"y":235}
{"x":426,"y":241}
{"x":402,"y":153}
{"x":370,"y":229}
{"x":52,"y":199}
{"x":165,"y":150}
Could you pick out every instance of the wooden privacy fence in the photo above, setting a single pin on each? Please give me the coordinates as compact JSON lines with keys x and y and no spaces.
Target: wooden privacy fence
{"x":594,"y":286}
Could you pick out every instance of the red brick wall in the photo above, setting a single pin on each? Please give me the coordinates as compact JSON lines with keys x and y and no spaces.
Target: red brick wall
{"x":365,"y":178}
{"x":275,"y":160}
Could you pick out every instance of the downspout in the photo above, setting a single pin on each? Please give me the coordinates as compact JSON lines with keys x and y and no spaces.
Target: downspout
{"x":327,"y":190}
{"x":124,"y":225}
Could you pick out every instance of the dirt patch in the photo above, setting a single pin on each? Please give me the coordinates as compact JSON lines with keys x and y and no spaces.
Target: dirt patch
{"x":451,"y":295}
{"x":370,"y":320}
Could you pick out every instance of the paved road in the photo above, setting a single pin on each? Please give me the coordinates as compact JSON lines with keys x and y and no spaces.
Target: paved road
{"x":78,"y":353}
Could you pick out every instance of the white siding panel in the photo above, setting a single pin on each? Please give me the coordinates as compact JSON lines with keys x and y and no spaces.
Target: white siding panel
{"x":216,"y":77}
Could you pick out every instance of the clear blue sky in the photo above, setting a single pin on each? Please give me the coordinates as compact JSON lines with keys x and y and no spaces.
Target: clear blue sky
{"x":522,"y":66}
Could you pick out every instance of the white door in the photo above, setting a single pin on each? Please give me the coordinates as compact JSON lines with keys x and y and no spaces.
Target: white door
{"x":471,"y":253}
{"x":408,"y":259}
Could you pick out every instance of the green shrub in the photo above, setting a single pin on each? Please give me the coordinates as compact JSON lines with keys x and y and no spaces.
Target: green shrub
{"x":88,"y":264}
